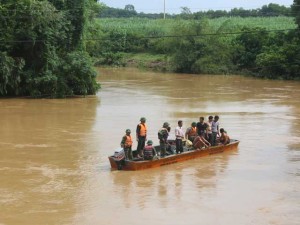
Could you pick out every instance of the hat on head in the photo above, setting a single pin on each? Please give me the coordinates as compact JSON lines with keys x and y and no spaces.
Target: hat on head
{"x":149,"y":142}
{"x":166,"y":124}
{"x":128,"y":131}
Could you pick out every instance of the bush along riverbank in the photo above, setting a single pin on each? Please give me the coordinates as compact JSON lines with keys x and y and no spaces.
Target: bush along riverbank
{"x":140,"y":60}
{"x":260,"y":47}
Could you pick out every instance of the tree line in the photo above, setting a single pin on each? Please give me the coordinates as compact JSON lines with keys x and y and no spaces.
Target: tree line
{"x":129,"y":11}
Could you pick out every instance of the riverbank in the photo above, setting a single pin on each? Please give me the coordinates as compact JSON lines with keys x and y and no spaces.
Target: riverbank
{"x":162,"y":63}
{"x":260,"y":47}
{"x":147,"y":61}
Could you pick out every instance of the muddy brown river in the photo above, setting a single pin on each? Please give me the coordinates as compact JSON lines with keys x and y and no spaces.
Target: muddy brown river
{"x":53,"y":154}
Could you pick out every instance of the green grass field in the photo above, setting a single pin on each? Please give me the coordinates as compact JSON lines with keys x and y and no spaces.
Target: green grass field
{"x":159,"y":26}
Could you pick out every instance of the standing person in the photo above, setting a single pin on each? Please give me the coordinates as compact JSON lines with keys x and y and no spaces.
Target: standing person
{"x":215,"y":130}
{"x":208,"y":129}
{"x":179,"y":134}
{"x":126,"y":144}
{"x":191,"y":132}
{"x":163,"y":135}
{"x":201,"y":127}
{"x":149,"y":151}
{"x":141,"y":136}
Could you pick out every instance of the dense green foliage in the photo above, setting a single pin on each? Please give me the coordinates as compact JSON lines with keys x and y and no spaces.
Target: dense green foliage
{"x":45,"y":46}
{"x":262,"y":47}
{"x":260,"y":42}
{"x":42,"y":51}
{"x":296,"y":11}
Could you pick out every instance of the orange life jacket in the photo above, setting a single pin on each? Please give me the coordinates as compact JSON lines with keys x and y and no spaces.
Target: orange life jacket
{"x":128,"y":142}
{"x":143,"y":130}
{"x":192,"y":132}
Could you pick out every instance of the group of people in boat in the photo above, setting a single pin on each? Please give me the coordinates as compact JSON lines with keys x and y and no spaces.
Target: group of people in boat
{"x":199,"y":135}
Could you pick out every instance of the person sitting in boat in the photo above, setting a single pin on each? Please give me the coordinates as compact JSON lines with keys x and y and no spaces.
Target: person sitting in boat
{"x":200,"y":142}
{"x":191,"y":132}
{"x":126,"y":144}
{"x":119,"y":157}
{"x":149,"y":151}
{"x":224,"y":138}
{"x":163,"y":137}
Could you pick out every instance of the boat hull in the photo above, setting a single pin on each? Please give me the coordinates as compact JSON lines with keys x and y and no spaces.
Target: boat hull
{"x":148,"y":164}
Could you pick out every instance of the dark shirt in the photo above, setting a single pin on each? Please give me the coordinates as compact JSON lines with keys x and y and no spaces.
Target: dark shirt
{"x":163,"y":135}
{"x":201,"y":128}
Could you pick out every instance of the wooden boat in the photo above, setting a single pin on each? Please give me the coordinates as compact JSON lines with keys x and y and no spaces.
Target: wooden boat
{"x":170,"y":159}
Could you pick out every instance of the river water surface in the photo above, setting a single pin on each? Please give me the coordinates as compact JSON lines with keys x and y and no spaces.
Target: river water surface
{"x":53,"y":154}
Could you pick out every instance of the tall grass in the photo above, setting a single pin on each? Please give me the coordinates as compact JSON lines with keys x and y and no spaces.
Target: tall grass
{"x":148,"y":26}
{"x":269,"y":23}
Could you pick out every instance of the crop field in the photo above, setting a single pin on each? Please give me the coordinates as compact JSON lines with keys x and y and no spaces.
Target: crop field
{"x":224,"y":24}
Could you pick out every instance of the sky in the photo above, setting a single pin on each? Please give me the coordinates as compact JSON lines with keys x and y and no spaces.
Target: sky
{"x":174,"y":6}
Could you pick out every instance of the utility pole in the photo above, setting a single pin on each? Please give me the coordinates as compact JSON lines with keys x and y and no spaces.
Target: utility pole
{"x":164,"y":9}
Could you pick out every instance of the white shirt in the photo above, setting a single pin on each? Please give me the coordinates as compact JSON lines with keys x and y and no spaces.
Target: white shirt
{"x":179,"y":133}
{"x":215,"y":126}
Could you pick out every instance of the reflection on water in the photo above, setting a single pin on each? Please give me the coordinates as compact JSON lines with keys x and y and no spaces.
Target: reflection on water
{"x":54,"y":167}
{"x":170,"y":182}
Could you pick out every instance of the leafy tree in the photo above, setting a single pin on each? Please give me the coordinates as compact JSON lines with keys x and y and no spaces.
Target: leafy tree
{"x":34,"y":40}
{"x":76,"y":75}
{"x":217,"y":54}
{"x":10,"y":74}
{"x":185,"y":13}
{"x":271,"y":63}
{"x":129,"y":8}
{"x":248,"y":45}
{"x":108,"y":12}
{"x":195,"y":53}
{"x":280,"y":58}
{"x":273,"y":10}
{"x":296,"y":11}
{"x":281,"y":55}
{"x":188,"y":48}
